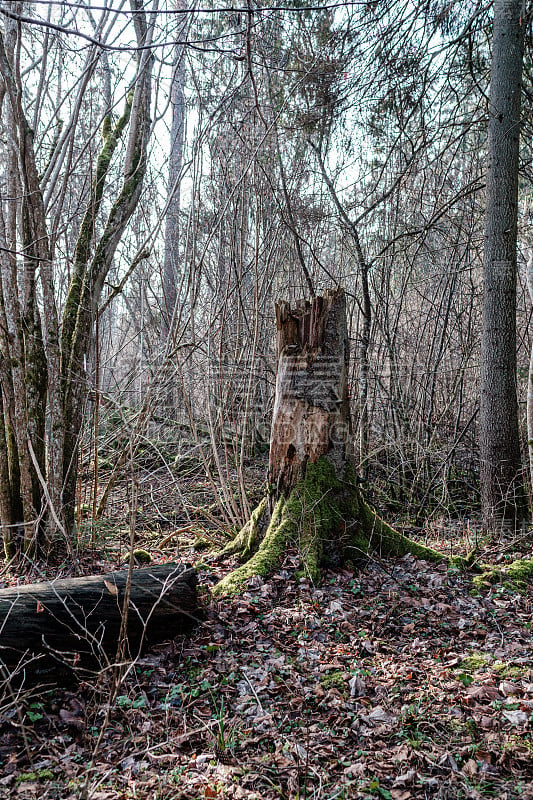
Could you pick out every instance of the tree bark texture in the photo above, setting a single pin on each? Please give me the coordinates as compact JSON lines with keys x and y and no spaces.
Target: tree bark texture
{"x":501,"y":470}
{"x":91,"y":270}
{"x":42,"y":374}
{"x":67,"y":618}
{"x":529,"y":403}
{"x":311,"y":415}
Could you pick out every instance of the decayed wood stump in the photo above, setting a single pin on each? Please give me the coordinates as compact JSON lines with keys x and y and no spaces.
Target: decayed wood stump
{"x":312,"y":412}
{"x":313,"y":501}
{"x":73,"y":617}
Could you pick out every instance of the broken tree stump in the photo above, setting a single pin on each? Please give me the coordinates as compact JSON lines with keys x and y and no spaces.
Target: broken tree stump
{"x":72,"y":619}
{"x":313,"y":500}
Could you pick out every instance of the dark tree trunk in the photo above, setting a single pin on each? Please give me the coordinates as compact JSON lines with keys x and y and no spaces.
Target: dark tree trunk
{"x":502,"y":481}
{"x":314,"y":502}
{"x":65,"y":619}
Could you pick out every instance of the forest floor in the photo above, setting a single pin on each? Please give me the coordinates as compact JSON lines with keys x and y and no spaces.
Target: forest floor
{"x":396,"y":681}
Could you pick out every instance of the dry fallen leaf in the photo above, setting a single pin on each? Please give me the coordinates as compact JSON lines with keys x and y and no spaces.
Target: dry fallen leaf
{"x":355,"y":770}
{"x":379,"y":715}
{"x":402,"y":754}
{"x":72,"y":720}
{"x":483,"y":692}
{"x":357,"y":686}
{"x":489,"y":769}
{"x":406,"y":778}
{"x":507,"y":688}
{"x":400,"y":794}
{"x":447,"y":760}
{"x":300,"y":656}
{"x":470,"y":768}
{"x":516,"y":717}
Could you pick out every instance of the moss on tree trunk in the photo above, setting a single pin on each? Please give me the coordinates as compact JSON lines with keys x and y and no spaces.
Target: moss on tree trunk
{"x":329,"y":522}
{"x":314,"y":503}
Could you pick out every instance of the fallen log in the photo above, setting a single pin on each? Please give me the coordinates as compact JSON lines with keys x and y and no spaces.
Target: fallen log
{"x":79,"y":620}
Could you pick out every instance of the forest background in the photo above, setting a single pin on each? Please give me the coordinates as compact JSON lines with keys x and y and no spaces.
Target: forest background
{"x":168,"y":173}
{"x":167,"y":181}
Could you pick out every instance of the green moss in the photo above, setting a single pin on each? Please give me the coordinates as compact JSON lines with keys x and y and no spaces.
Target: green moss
{"x":279,"y":532}
{"x":334,"y":680}
{"x":385,"y":540}
{"x":313,"y":516}
{"x":106,"y":126}
{"x":521,"y":570}
{"x":26,"y":776}
{"x":141,"y":556}
{"x":314,"y":508}
{"x":474,"y":662}
{"x":248,"y":537}
{"x":514,"y":576}
{"x":328,"y":520}
{"x":516,"y":744}
{"x":120,"y":212}
{"x":42,"y":774}
{"x":458,"y":562}
{"x":201,"y":544}
{"x":78,"y":288}
{"x":504,"y":670}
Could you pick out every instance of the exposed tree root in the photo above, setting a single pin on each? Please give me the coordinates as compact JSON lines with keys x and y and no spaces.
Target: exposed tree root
{"x":246,"y":540}
{"x":279,"y":533}
{"x":329,"y":522}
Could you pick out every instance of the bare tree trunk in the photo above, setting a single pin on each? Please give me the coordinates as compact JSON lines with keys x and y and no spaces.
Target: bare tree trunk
{"x":42,"y":373}
{"x":24,"y":385}
{"x":91,"y":271}
{"x":170,"y":280}
{"x":529,"y":411}
{"x":502,"y":493}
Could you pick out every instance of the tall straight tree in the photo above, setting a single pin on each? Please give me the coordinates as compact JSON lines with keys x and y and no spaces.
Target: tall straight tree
{"x":502,"y":494}
{"x":177,"y":101}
